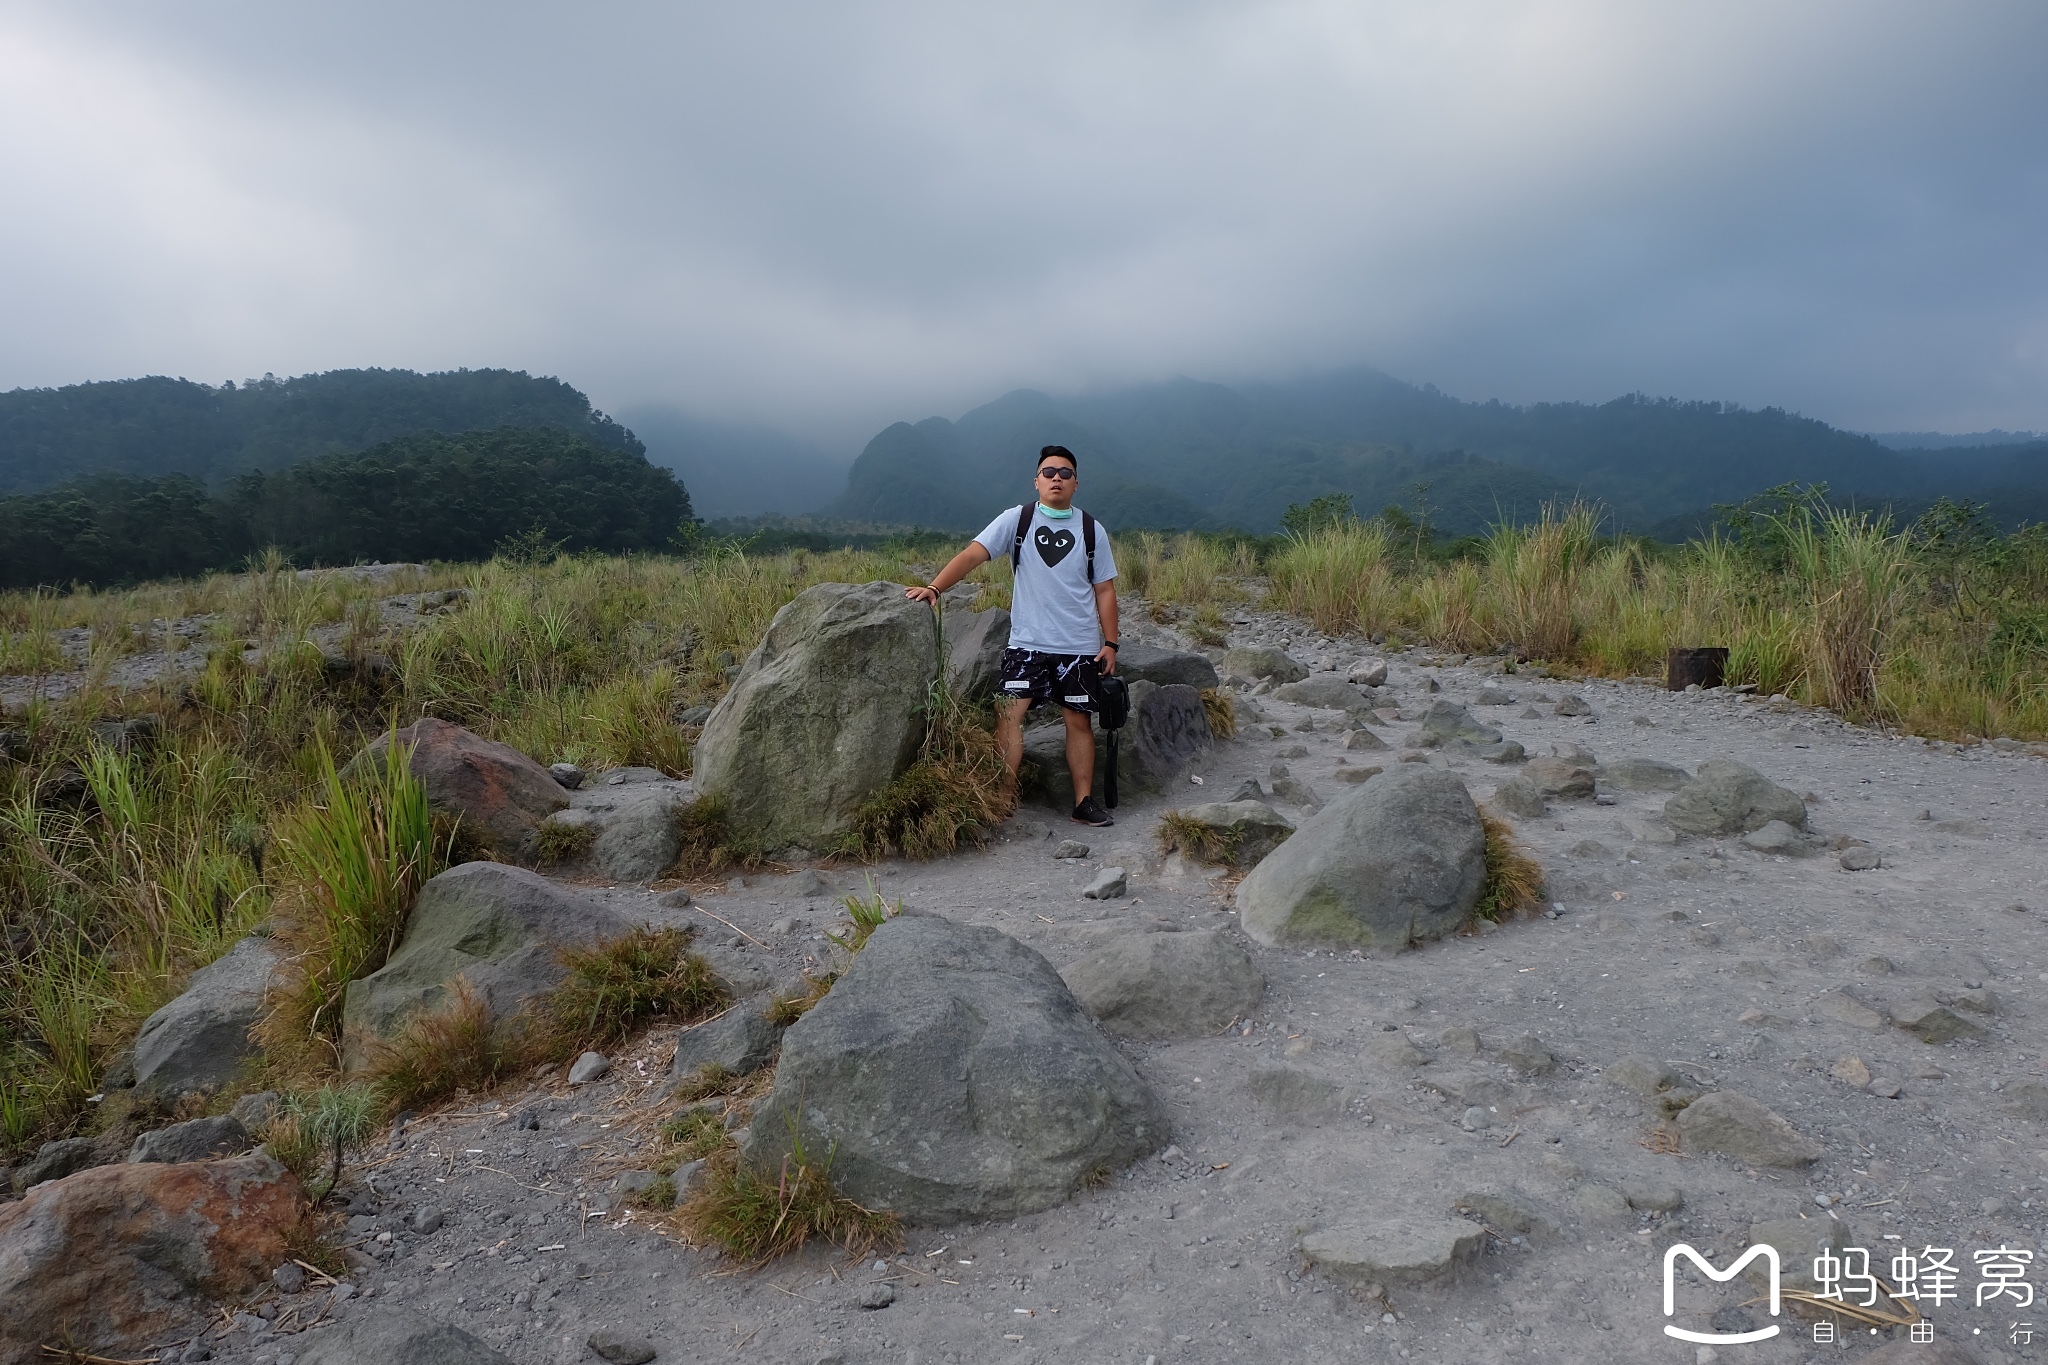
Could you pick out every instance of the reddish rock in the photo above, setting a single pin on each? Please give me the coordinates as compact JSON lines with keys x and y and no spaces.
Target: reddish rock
{"x":114,"y":1258}
{"x":500,"y":794}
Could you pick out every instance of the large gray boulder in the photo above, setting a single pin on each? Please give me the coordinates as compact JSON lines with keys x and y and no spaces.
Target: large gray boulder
{"x":1166,"y":985}
{"x":1259,"y":661}
{"x":498,"y":928}
{"x":1731,"y":798}
{"x":1328,"y":692}
{"x":975,"y":641}
{"x":200,"y":1040}
{"x":499,"y":794}
{"x":953,"y":1076}
{"x":1148,"y":663}
{"x":1167,"y":730}
{"x":1399,"y":859}
{"x":824,"y":714}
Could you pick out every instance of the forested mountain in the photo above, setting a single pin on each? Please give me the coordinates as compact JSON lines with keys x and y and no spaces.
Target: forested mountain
{"x":1194,"y":454}
{"x":427,"y":496}
{"x":147,"y":428}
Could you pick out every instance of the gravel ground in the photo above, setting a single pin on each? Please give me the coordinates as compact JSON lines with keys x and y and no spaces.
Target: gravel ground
{"x":1407,"y":1084}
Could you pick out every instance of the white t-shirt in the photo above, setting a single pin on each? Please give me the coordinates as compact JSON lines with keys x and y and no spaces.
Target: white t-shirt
{"x":1052,"y":606}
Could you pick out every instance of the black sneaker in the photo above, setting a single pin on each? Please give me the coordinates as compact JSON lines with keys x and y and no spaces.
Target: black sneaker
{"x":1090,"y":812}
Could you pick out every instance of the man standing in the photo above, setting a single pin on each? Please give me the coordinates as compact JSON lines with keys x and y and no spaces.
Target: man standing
{"x":1062,"y":617}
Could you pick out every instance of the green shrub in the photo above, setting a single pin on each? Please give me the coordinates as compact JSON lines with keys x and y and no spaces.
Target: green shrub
{"x":618,"y":986}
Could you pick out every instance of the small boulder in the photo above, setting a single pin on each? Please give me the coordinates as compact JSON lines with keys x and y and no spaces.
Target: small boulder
{"x":1736,"y":1125}
{"x":1643,"y":775}
{"x":1508,"y":1211}
{"x":1368,"y":673}
{"x":954,"y":1076}
{"x":1641,"y":1075}
{"x":1166,"y":985}
{"x":1650,"y":1196}
{"x":1447,"y":723}
{"x":1167,"y":730}
{"x":568,"y":774}
{"x":1779,"y":838}
{"x":499,"y":794}
{"x":497,"y":927}
{"x":1146,"y":663}
{"x":1861,"y":858}
{"x":1933,"y":1023}
{"x":1528,"y":1054}
{"x":1731,"y":798}
{"x":1109,"y":884}
{"x":1386,"y":864}
{"x":1245,"y":830}
{"x":1493,"y":696}
{"x":741,"y":1041}
{"x":1070,"y":848}
{"x":197,"y":1140}
{"x":389,"y":1335}
{"x":1395,"y":1248}
{"x":1574,"y":705}
{"x":121,"y":1256}
{"x":589,"y":1067}
{"x":200,"y":1040}
{"x":1296,"y":792}
{"x":1519,"y":796}
{"x":1261,"y":662}
{"x":1325,"y":692}
{"x":633,"y":831}
{"x":1364,"y":740}
{"x":1560,"y":778}
{"x":1295,"y":1094}
{"x":62,"y":1157}
{"x":620,"y":1348}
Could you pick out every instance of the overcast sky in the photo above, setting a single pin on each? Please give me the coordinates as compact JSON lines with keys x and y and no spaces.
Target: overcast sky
{"x":826,"y":216}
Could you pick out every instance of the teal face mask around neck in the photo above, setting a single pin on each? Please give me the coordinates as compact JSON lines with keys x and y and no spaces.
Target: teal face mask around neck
{"x":1056,"y":513}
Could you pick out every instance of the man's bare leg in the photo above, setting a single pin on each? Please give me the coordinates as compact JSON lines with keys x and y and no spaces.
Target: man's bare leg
{"x":1080,"y":752}
{"x":1010,"y":733}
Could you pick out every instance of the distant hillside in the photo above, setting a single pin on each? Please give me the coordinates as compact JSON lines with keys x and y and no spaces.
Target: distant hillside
{"x":1191,"y":454}
{"x":735,"y":471}
{"x":1937,"y":440}
{"x":147,"y":428}
{"x":427,"y":496}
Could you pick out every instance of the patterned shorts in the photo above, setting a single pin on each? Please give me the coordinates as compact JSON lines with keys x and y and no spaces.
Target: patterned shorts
{"x":1068,"y":679}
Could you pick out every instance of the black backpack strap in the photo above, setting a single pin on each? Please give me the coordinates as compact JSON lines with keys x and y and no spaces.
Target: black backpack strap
{"x":1017,"y":544}
{"x":1088,"y":535}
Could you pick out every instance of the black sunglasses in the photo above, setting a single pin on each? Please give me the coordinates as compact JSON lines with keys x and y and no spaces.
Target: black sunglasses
{"x":1055,"y":471}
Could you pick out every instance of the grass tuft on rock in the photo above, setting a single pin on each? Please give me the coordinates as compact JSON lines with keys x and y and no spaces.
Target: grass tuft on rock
{"x":711,"y":842}
{"x":693,"y":1135}
{"x":1204,"y":843}
{"x":1514,"y":880}
{"x":619,"y":986}
{"x":785,"y":1010}
{"x":1221,"y":711}
{"x":456,"y":1047}
{"x":560,"y":844}
{"x":755,"y":1216}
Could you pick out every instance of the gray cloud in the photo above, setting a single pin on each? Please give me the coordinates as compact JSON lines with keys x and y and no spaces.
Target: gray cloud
{"x":827,"y":216}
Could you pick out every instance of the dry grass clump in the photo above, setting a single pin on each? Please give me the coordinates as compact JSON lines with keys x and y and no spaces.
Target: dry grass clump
{"x":755,"y":1216}
{"x":956,"y":791}
{"x":785,"y":1010}
{"x":692,"y":1135}
{"x":619,"y":986}
{"x":711,"y":1081}
{"x":457,"y":1046}
{"x":560,"y":843}
{"x":1203,"y":843}
{"x":712,"y":842}
{"x":1514,"y":880}
{"x":1221,"y":711}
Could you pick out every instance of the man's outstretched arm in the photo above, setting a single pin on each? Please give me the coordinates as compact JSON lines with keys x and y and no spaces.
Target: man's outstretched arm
{"x":957,"y":568}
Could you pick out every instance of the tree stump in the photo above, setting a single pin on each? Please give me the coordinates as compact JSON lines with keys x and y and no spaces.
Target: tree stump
{"x":1707,"y":666}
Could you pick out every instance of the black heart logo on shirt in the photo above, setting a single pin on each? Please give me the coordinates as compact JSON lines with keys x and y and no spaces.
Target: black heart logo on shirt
{"x":1053,"y":545}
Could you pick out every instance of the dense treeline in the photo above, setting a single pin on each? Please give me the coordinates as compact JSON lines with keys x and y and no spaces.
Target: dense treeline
{"x":429,"y":496}
{"x":149,"y":428}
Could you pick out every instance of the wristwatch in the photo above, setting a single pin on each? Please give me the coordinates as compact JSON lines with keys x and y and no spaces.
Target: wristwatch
{"x":1109,"y":644}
